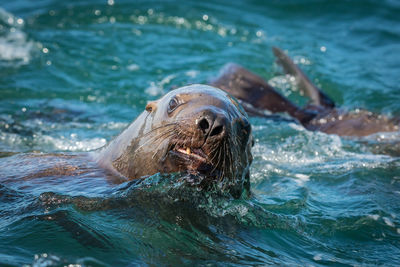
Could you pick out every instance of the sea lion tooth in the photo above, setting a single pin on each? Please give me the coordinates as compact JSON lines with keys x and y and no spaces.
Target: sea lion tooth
{"x":188,"y":150}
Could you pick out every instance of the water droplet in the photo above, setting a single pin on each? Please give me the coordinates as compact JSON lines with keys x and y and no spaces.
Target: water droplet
{"x":141,"y":19}
{"x":317,"y":257}
{"x":191,"y":73}
{"x":10,"y":20}
{"x":132,"y":67}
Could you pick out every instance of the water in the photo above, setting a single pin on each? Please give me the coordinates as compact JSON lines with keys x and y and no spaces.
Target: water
{"x":73,"y":75}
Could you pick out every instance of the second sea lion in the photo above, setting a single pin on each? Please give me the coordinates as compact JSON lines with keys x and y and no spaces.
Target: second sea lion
{"x":321,"y":114}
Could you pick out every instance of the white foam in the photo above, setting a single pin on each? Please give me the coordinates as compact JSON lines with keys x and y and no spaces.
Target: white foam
{"x":114,"y":125}
{"x":317,"y":257}
{"x":388,"y":221}
{"x":157,"y":88}
{"x":72,"y":144}
{"x":375,"y":217}
{"x":285,"y":83}
{"x":192,"y":73}
{"x":14,"y":44}
{"x":321,"y":151}
{"x":154,"y":89}
{"x":133,"y":67}
{"x":46,"y":260}
{"x":301,"y":179}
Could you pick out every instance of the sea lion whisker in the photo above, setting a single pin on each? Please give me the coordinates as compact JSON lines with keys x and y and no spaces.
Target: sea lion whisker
{"x":219,"y":159}
{"x":165,"y":140}
{"x":223,"y":172}
{"x":230,"y":162}
{"x":149,"y":140}
{"x":223,"y":164}
{"x":231,"y":165}
{"x":153,"y":139}
{"x":228,"y":159}
{"x":214,"y":154}
{"x":159,"y":128}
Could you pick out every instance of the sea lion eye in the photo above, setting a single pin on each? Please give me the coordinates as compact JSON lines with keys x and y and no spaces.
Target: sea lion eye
{"x":173,"y":104}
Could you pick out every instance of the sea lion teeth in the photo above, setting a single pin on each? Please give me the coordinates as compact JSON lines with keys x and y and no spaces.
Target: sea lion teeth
{"x":181,"y":150}
{"x":193,"y":154}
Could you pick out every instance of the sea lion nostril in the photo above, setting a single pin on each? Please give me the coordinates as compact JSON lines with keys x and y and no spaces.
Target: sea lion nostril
{"x":217,"y":130}
{"x":203,"y":124}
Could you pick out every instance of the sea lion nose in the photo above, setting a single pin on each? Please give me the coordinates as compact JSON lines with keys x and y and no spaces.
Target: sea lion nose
{"x":212,"y":125}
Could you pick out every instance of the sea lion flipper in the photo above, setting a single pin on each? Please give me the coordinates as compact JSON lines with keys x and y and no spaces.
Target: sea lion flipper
{"x":317,"y":97}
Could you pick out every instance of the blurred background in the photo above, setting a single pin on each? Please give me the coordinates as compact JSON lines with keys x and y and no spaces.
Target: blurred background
{"x":73,"y":74}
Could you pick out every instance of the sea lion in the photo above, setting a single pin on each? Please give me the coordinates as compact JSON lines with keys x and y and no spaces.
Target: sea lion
{"x":198,"y":128}
{"x":321,"y":114}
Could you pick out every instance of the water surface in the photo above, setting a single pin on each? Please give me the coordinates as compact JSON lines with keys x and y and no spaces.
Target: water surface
{"x":74,"y":74}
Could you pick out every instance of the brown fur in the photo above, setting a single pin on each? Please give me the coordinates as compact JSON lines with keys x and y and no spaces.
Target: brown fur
{"x":257,"y":95}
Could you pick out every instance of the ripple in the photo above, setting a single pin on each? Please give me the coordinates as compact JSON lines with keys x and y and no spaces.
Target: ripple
{"x":316,"y":199}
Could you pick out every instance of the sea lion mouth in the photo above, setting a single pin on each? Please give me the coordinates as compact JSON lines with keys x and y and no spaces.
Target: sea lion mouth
{"x":194,"y":160}
{"x":192,"y":154}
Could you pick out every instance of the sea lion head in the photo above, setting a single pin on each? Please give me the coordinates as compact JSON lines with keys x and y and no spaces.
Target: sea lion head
{"x":197,"y":129}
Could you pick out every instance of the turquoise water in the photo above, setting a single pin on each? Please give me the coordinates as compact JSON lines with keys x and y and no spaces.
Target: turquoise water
{"x":74,"y":74}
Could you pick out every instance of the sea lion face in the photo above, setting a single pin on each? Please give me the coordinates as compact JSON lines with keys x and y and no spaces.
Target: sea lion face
{"x":199,"y":129}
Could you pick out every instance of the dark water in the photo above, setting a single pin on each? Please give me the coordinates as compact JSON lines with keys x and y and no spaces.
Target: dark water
{"x":74,"y":74}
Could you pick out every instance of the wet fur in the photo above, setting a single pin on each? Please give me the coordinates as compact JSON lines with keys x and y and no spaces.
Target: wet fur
{"x":320,"y":114}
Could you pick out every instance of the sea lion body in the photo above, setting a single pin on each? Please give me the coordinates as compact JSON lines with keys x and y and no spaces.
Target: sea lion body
{"x":321,"y":114}
{"x":354,"y":123}
{"x":197,"y":128}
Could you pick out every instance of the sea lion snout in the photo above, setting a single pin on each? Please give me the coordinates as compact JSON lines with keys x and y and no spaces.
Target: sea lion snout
{"x":212,"y":124}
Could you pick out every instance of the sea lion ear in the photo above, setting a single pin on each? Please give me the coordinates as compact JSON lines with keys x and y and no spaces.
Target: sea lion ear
{"x":151,"y":106}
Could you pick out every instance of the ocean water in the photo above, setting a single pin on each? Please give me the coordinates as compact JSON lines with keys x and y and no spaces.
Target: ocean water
{"x":74,"y":74}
